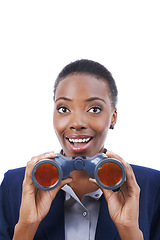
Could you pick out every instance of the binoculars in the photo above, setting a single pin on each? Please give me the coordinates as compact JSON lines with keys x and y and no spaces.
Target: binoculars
{"x":108,"y":172}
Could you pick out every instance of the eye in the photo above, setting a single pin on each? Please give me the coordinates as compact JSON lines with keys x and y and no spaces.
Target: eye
{"x":63,"y":110}
{"x":95,"y":110}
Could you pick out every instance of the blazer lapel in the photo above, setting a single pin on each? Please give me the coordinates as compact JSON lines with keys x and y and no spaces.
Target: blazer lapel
{"x":52,"y":226}
{"x":105,"y":226}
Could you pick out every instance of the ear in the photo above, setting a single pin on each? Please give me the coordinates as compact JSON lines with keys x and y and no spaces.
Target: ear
{"x":114,"y":118}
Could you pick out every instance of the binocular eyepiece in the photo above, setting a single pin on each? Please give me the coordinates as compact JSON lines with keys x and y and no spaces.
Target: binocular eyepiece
{"x":108,"y":172}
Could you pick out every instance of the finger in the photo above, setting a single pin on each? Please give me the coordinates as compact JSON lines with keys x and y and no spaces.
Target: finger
{"x":130,"y":177}
{"x":114,"y":155}
{"x":93,"y":181}
{"x":64,"y":182}
{"x":107,"y":193}
{"x":46,"y":155}
{"x":128,"y":168}
{"x":131,"y":182}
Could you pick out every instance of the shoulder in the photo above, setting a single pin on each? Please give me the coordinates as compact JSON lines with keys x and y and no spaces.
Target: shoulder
{"x":16,"y":172}
{"x":147,"y":178}
{"x":12,"y":182}
{"x":10,"y":197}
{"x":138,"y":168}
{"x":15,"y":175}
{"x":149,"y":182}
{"x":146,"y":175}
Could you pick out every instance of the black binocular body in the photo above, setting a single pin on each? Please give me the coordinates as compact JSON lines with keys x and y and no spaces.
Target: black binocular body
{"x":108,"y":172}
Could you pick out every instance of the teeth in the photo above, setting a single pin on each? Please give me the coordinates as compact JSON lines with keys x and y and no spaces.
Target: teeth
{"x":79,"y":140}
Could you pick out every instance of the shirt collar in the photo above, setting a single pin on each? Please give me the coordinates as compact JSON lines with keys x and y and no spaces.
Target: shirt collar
{"x":69,"y":192}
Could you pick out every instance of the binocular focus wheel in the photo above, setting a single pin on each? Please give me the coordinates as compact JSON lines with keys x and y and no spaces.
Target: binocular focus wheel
{"x":110,"y":174}
{"x":47,"y":175}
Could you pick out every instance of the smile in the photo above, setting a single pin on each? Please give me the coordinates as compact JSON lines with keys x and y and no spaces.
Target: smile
{"x":84,"y":140}
{"x":79,"y":144}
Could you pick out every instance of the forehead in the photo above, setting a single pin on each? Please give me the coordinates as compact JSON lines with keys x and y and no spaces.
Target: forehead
{"x":82,"y":86}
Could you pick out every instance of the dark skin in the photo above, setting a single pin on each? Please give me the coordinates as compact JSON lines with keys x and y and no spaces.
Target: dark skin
{"x":83,"y":112}
{"x":80,"y":114}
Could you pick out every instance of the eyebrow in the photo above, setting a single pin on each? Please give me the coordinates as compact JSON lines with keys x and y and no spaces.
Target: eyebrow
{"x":87,"y":100}
{"x":63,"y":98}
{"x":95,"y":98}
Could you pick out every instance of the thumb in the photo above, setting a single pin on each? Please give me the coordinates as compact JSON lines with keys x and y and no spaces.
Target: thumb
{"x":65,"y":181}
{"x":107,"y":193}
{"x":93,"y":181}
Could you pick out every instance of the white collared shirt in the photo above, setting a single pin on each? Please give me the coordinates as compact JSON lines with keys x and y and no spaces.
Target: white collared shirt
{"x":81,"y":216}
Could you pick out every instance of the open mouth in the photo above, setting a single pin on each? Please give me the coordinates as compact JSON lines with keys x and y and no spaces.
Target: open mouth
{"x":79,"y":145}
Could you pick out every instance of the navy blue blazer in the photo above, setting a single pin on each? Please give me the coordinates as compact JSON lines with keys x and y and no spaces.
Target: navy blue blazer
{"x":52,"y":226}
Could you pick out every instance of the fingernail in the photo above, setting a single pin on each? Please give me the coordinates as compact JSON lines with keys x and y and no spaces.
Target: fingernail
{"x":70,"y":180}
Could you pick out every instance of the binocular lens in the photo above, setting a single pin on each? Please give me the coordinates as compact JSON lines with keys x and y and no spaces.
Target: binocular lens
{"x":110,"y":174}
{"x":46,"y":174}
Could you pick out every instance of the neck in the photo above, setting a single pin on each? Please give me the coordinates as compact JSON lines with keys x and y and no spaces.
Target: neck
{"x":81,"y":184}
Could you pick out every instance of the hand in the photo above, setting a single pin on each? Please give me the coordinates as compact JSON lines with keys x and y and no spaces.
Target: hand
{"x":35,"y":202}
{"x":123,"y":205}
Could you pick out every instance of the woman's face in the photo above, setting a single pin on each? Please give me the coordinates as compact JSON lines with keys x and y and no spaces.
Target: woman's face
{"x":82,"y":114}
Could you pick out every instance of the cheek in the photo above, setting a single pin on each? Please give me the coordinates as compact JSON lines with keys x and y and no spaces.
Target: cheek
{"x":101,"y":125}
{"x":59,"y":124}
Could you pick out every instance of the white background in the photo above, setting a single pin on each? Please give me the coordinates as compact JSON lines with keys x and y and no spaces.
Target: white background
{"x":38,"y":38}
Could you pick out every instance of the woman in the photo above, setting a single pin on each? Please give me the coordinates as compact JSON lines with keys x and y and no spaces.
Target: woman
{"x":85,"y":96}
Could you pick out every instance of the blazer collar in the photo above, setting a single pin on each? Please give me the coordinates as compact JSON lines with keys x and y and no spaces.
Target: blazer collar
{"x":52,"y":226}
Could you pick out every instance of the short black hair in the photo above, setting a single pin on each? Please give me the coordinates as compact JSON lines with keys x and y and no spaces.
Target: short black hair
{"x":92,"y":68}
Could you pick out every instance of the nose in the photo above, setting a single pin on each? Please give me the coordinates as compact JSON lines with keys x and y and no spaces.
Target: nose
{"x":78,"y":121}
